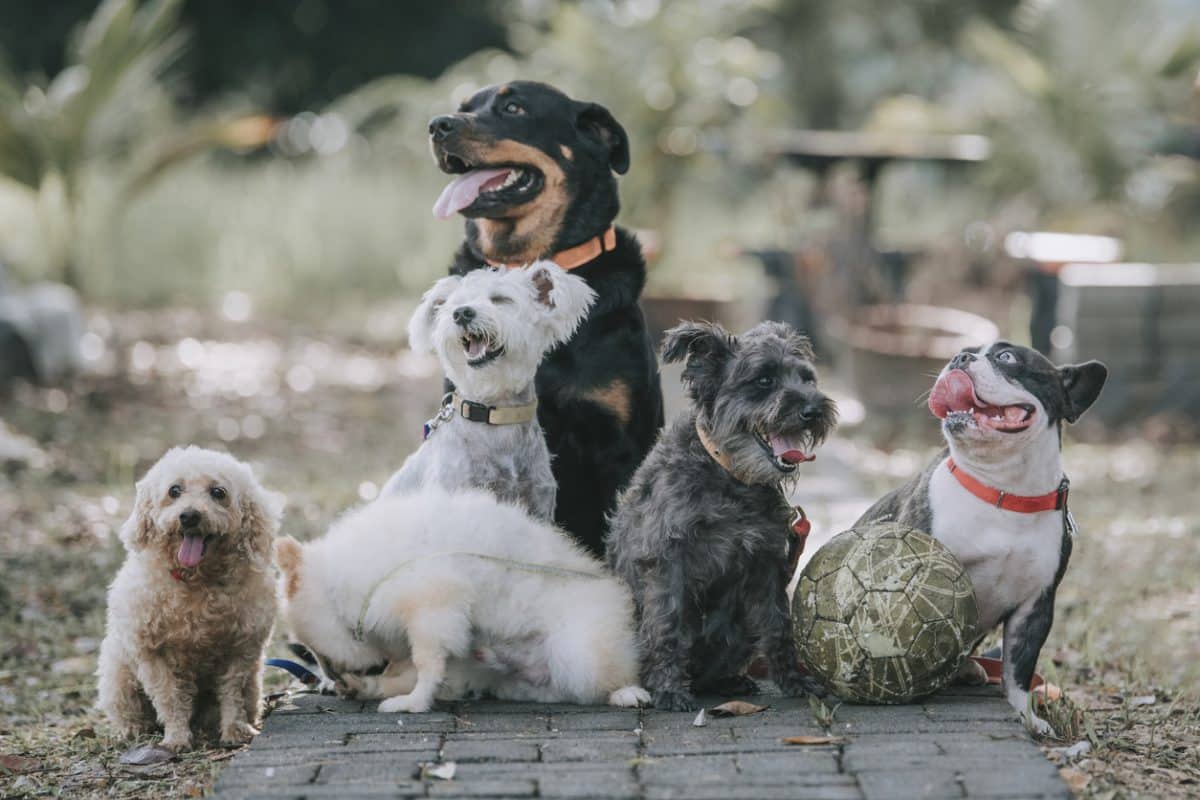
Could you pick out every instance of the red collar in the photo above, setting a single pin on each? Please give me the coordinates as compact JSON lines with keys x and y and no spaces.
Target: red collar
{"x":578,"y":255}
{"x":1051,"y":501}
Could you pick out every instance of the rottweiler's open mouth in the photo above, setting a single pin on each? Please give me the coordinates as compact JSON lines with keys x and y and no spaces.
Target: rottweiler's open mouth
{"x":480,"y":188}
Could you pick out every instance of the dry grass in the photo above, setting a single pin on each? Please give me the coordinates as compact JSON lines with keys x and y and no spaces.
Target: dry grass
{"x":318,"y":416}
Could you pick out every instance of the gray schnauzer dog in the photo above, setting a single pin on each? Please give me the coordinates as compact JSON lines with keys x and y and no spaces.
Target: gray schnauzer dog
{"x":490,"y":329}
{"x":703,"y":530}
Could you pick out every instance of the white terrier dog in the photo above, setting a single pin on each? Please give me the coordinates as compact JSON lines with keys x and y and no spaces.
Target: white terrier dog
{"x":490,"y":329}
{"x":455,"y":592}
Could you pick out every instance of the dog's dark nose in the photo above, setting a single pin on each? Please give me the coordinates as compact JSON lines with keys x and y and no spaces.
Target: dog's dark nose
{"x":189,"y":518}
{"x":962,"y":360}
{"x":443,"y":126}
{"x":463,"y":315}
{"x":810,"y":411}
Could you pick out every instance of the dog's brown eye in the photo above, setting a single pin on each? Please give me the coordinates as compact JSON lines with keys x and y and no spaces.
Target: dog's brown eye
{"x":765,"y":381}
{"x":174,"y":491}
{"x":513,"y":108}
{"x":217,"y":493}
{"x":499,"y":298}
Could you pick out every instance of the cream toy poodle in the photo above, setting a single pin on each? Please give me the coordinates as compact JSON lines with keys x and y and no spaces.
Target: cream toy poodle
{"x":192,"y":608}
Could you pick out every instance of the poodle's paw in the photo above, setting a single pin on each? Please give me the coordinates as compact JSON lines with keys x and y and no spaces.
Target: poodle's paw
{"x":237,"y":733}
{"x":674,"y":700}
{"x":629,"y":697}
{"x":127,"y":730}
{"x":177,"y":741}
{"x":406,"y":702}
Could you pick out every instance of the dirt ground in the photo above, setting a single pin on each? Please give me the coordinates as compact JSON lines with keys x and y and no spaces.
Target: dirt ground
{"x":324,"y":421}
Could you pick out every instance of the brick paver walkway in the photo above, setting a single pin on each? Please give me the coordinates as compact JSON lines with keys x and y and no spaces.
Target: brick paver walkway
{"x":962,"y":743}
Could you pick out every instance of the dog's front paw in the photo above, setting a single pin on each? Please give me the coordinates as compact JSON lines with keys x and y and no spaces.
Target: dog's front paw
{"x":797,"y":684}
{"x":1037,"y":725}
{"x":177,"y":742}
{"x":971,"y":673}
{"x":629,"y":697}
{"x":674,"y":700}
{"x":406,"y":702}
{"x":237,"y":733}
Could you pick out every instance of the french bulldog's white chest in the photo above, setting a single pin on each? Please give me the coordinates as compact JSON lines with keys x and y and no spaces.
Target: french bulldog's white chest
{"x":1009,"y":556}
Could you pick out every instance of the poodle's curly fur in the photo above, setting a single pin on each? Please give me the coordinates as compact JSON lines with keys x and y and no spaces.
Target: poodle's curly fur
{"x":192,"y":607}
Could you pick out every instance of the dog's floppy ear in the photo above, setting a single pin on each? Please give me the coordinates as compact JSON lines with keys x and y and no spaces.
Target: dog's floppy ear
{"x":288,"y":555}
{"x":707,"y":347}
{"x":1082,"y":383}
{"x":420,"y":327}
{"x":595,"y":121}
{"x":260,"y":511}
{"x":139,"y":529}
{"x":564,"y":297}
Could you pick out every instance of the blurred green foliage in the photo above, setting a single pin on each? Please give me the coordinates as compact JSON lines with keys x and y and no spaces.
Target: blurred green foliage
{"x":1090,"y":105}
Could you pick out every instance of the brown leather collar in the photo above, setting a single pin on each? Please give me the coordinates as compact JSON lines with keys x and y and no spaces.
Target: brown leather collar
{"x":575,"y":256}
{"x":715,"y":452}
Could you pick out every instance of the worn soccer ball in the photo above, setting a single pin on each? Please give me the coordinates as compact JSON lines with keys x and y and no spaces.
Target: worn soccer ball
{"x":884,"y":614}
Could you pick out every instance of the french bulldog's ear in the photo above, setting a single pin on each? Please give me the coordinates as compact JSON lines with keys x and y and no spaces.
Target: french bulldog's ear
{"x":420,"y":327}
{"x":1082,"y":383}
{"x":596,"y":122}
{"x":707,"y":347}
{"x":564,"y":297}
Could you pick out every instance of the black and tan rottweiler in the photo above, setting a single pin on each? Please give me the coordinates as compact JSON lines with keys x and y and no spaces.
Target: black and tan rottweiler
{"x":535,"y":180}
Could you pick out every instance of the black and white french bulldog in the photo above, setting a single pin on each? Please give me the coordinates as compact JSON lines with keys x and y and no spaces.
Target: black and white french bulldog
{"x":997,"y":497}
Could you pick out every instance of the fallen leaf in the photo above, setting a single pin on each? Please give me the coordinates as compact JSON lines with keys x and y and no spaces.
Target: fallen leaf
{"x":444,"y":771}
{"x":1074,"y":751}
{"x":15,"y":765}
{"x":147,"y":754}
{"x":701,"y":719}
{"x":1074,"y":778}
{"x":736,"y":708}
{"x":1143,"y":700}
{"x":809,"y":740}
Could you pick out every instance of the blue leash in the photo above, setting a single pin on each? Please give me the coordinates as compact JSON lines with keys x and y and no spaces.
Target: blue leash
{"x":298,"y":670}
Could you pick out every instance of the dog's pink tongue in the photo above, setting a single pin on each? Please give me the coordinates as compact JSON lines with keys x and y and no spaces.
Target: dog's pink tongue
{"x":191,"y":550}
{"x":788,"y":451}
{"x":476,"y":348}
{"x":952,"y":392}
{"x":463,"y":190}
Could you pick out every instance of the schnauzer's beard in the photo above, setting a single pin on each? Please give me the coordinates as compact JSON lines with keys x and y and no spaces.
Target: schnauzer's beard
{"x":506,"y":376}
{"x":736,"y":425}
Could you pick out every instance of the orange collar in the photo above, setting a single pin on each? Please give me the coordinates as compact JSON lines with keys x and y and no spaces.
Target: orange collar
{"x":578,"y":255}
{"x":1051,"y":501}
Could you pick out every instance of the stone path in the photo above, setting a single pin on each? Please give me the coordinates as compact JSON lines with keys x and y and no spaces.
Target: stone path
{"x":962,"y":743}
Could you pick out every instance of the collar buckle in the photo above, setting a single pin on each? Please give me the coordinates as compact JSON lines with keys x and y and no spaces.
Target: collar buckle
{"x":475,"y":412}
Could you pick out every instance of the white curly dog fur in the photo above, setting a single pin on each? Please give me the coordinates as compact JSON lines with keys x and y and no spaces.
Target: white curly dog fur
{"x":192,"y":607}
{"x":458,"y":592}
{"x":490,"y":329}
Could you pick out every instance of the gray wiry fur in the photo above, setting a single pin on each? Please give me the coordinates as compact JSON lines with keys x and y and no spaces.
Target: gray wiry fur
{"x":705,"y":553}
{"x":510,"y":461}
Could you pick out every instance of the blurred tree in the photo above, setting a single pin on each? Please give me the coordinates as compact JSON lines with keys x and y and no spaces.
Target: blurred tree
{"x":282,"y":55}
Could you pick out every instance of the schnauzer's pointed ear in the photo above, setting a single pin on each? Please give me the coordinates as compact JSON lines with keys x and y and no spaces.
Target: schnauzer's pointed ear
{"x":565,"y":298}
{"x":707,"y":347}
{"x":596,"y":122}
{"x":420,"y":327}
{"x":689,"y":339}
{"x":1082,"y":383}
